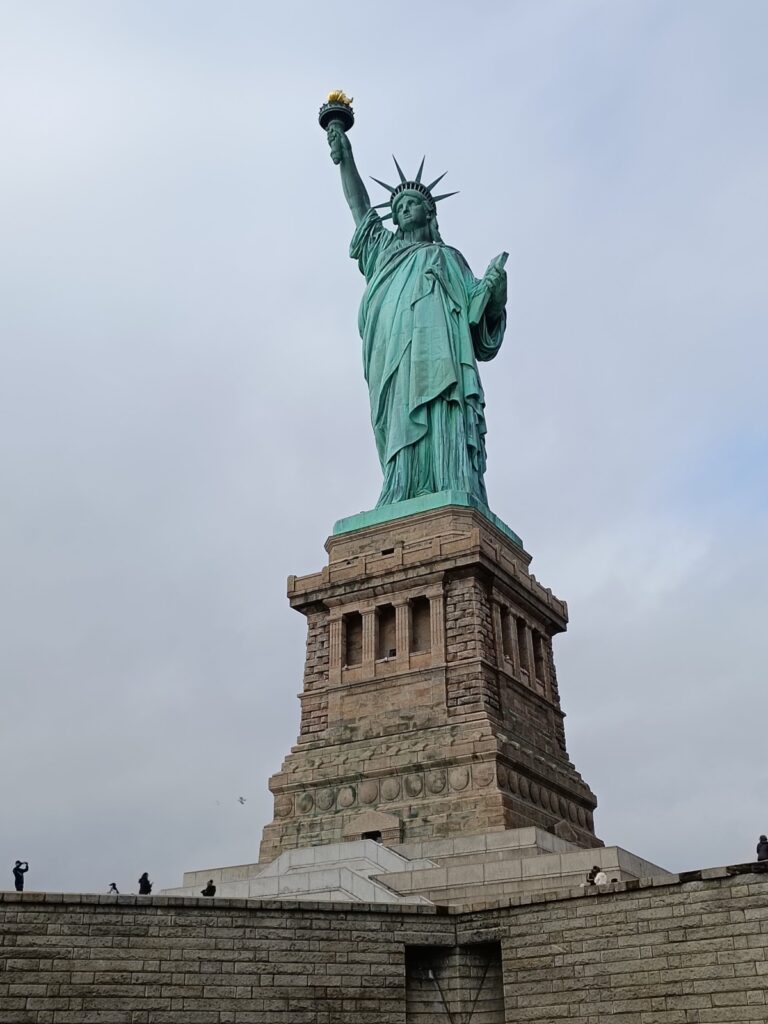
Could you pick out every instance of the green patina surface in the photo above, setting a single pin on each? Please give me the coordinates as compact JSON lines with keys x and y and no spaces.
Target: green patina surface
{"x":425,"y":321}
{"x":424,"y":503}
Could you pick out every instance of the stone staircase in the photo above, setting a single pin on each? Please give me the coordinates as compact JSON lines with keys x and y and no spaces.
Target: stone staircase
{"x":487,"y":867}
{"x":347,"y":872}
{"x":498,"y":865}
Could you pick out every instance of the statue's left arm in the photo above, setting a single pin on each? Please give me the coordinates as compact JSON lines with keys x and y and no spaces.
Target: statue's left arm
{"x":488,"y":333}
{"x":496,"y":278}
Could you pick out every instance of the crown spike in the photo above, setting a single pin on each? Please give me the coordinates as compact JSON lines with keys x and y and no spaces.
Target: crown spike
{"x":399,"y":170}
{"x":389,"y":188}
{"x":386,"y":216}
{"x":430,"y":187}
{"x":380,"y":206}
{"x":421,"y":168}
{"x":445,"y":195}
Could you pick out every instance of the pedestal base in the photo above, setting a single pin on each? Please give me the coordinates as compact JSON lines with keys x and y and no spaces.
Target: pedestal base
{"x":424,"y":503}
{"x":430,"y":707}
{"x":474,"y":869}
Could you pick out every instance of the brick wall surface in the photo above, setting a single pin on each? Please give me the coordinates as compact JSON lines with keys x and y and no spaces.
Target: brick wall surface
{"x":128,"y":960}
{"x":468,"y":621}
{"x":559,"y":728}
{"x":692,"y":951}
{"x":317,"y":656}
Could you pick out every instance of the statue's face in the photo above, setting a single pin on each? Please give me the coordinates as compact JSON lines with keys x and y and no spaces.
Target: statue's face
{"x":410,"y":211}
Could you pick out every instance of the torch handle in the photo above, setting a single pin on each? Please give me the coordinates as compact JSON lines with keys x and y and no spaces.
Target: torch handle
{"x":336,"y":152}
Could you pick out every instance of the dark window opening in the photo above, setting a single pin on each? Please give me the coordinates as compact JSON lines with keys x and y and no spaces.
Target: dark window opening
{"x":522,"y":645}
{"x":386,"y":643}
{"x":421,"y":625}
{"x":375,"y":836}
{"x":353,"y":639}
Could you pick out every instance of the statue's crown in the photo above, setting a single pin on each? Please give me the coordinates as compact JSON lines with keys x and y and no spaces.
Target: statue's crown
{"x":411,"y":185}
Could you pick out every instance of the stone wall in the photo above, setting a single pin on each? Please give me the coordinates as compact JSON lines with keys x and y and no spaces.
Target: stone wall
{"x":159,"y":960}
{"x":689,"y":951}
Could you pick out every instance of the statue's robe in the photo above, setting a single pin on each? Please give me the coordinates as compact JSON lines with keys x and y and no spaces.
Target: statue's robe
{"x":420,"y":357}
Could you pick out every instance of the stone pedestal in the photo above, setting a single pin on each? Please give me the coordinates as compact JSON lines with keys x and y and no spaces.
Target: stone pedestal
{"x":430,"y":706}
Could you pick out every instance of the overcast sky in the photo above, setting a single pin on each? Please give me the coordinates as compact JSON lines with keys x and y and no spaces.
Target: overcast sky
{"x":184,"y":416}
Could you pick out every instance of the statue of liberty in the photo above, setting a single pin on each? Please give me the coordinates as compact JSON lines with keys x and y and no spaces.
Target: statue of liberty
{"x":425,"y":321}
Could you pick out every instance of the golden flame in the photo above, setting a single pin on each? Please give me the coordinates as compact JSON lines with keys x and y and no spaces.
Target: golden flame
{"x":337,"y":96}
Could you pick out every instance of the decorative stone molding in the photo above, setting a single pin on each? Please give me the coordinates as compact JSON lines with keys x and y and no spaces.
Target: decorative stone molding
{"x":369,"y":792}
{"x":325,"y":799}
{"x":483,"y":774}
{"x":369,"y":641}
{"x":283,"y":806}
{"x":389,"y":826}
{"x":390,"y":788}
{"x":459,"y":778}
{"x":414,"y":784}
{"x":346,"y":797}
{"x":304,"y":803}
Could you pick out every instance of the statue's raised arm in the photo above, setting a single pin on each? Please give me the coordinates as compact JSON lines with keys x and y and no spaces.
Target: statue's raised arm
{"x":355,"y":191}
{"x":426,"y":321}
{"x":337,"y":117}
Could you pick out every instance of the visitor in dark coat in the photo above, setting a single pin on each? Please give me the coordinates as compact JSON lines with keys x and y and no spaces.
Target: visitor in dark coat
{"x":18,"y":874}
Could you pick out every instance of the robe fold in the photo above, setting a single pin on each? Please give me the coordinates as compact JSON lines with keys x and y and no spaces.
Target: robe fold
{"x":420,"y":357}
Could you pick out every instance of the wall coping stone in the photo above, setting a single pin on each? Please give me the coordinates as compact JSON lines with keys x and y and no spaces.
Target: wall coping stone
{"x":701,"y":875}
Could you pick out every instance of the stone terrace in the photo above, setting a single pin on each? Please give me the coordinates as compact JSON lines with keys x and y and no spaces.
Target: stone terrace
{"x":685,"y":949}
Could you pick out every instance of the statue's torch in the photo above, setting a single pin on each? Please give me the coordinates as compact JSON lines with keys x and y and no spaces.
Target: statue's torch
{"x":337,"y":110}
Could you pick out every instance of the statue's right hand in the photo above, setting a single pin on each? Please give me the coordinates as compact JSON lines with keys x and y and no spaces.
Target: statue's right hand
{"x":338,"y":141}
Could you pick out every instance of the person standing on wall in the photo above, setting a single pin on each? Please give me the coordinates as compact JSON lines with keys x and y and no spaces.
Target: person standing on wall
{"x":18,"y":874}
